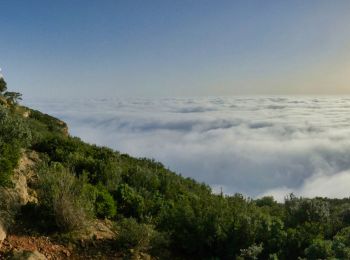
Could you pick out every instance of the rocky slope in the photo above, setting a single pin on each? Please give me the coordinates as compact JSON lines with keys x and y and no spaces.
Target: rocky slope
{"x":16,"y":242}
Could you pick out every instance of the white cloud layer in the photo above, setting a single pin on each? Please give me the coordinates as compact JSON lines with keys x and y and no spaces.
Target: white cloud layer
{"x":252,"y":145}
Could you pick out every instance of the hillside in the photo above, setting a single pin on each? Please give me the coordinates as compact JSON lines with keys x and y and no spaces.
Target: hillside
{"x":63,"y":198}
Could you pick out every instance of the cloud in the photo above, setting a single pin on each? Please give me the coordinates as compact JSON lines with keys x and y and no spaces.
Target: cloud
{"x":318,"y":185}
{"x":256,"y":146}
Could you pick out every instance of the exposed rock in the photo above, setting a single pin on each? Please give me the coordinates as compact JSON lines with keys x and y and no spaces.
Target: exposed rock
{"x":144,"y":256}
{"x":51,"y":249}
{"x":64,"y":127}
{"x":2,"y":233}
{"x":26,"y":114}
{"x":102,"y":229}
{"x":24,"y":174}
{"x":27,"y":255}
{"x":98,"y":230}
{"x":3,"y":101}
{"x":20,"y":194}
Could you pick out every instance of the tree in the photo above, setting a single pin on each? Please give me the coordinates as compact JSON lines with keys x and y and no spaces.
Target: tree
{"x":301,"y":210}
{"x":7,"y":97}
{"x":251,"y":252}
{"x":3,"y":85}
{"x":319,"y":249}
{"x":13,"y":97}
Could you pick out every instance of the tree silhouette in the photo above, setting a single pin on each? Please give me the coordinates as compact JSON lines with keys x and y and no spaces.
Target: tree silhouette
{"x":12,"y":97}
{"x":3,"y":85}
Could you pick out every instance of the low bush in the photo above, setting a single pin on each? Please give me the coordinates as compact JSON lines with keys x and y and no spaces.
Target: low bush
{"x":140,"y":237}
{"x":70,"y":199}
{"x":132,"y":235}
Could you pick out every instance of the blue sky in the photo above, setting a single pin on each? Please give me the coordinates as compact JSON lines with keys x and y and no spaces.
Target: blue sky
{"x":175,"y":48}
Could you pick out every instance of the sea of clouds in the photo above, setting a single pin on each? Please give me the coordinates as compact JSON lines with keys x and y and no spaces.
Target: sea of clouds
{"x":251,"y":145}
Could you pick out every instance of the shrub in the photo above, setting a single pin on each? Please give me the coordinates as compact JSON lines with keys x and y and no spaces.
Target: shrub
{"x":13,"y":128}
{"x":251,"y":252}
{"x":319,"y":249}
{"x":14,"y":135}
{"x":47,"y":122}
{"x":159,"y":245}
{"x":301,"y":210}
{"x":69,"y":198}
{"x":132,"y":235}
{"x":130,"y":203}
{"x":341,"y":243}
{"x":9,"y":205}
{"x":105,"y":206}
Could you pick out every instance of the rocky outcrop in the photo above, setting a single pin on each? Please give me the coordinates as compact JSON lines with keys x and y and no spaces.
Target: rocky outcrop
{"x":23,"y":175}
{"x":64,"y":127}
{"x":12,"y":198}
{"x":2,"y":233}
{"x":26,"y":114}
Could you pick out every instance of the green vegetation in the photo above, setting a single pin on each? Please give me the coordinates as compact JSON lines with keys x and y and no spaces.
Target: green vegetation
{"x":156,"y":211}
{"x":67,"y":198}
{"x":14,"y":135}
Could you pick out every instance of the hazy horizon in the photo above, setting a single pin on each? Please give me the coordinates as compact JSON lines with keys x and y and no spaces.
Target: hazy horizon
{"x":251,"y":145}
{"x":182,"y":48}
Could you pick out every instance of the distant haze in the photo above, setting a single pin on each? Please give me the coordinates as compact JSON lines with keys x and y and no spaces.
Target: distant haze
{"x":164,"y":48}
{"x":253,"y":145}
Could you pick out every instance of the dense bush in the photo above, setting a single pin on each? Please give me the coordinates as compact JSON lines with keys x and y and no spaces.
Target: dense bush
{"x":319,"y":249}
{"x":141,"y":238}
{"x":69,"y":199}
{"x":105,"y":206}
{"x":44,"y":126}
{"x":14,"y":135}
{"x":132,"y":235}
{"x":130,"y":203}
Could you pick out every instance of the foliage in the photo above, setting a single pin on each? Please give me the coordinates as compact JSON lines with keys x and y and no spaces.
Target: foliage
{"x":306,"y":210}
{"x":251,"y":252}
{"x":68,"y":198}
{"x":3,"y":85}
{"x":12,"y":97}
{"x":7,"y":97}
{"x":319,"y":249}
{"x":105,"y":206}
{"x":14,"y":135}
{"x":132,"y":235}
{"x":131,"y":204}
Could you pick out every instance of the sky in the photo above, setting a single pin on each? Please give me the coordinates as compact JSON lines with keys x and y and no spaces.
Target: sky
{"x":110,"y":48}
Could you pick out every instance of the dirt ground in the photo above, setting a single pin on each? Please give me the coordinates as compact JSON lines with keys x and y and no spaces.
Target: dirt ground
{"x":51,"y":249}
